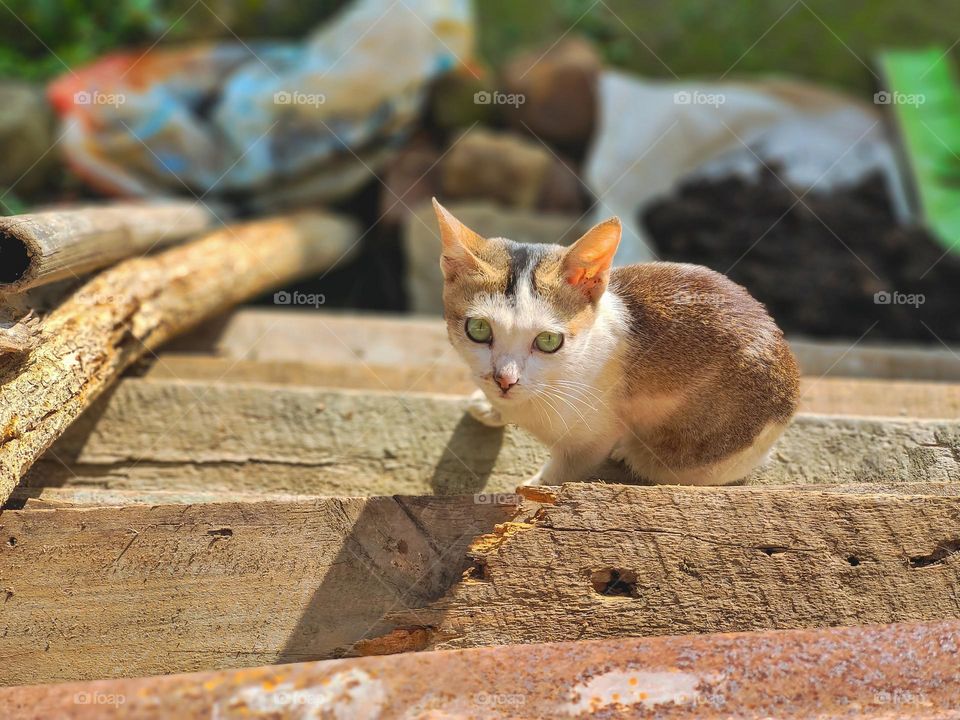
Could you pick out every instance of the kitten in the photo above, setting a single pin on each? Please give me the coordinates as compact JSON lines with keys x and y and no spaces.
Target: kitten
{"x":671,"y":368}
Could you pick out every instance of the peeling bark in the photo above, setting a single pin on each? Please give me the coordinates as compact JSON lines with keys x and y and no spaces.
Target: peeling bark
{"x":132,"y":308}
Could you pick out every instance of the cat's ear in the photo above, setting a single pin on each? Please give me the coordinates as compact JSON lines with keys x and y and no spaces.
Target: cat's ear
{"x":586,"y":264}
{"x":459,"y":244}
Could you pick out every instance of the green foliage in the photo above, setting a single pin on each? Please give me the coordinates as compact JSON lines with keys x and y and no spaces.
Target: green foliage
{"x":42,"y":38}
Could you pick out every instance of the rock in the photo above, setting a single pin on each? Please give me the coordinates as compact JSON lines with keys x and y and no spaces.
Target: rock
{"x":422,"y":242}
{"x":512,"y":170}
{"x":26,"y":134}
{"x":411,"y":178}
{"x":559,"y":91}
{"x":457,"y":100}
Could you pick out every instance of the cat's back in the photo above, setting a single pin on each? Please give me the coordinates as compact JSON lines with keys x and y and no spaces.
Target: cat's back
{"x":685,"y":320}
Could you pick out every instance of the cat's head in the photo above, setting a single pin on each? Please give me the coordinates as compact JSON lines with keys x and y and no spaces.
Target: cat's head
{"x":519,"y":314}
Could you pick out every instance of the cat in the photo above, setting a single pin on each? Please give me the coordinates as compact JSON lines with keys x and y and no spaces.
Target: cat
{"x":672,"y":369}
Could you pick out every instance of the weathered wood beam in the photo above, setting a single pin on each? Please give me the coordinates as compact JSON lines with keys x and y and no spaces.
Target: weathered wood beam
{"x":271,"y":334}
{"x":125,"y":591}
{"x":57,"y":497}
{"x":605,"y":561}
{"x":132,"y":308}
{"x":103,"y":592}
{"x":43,"y":247}
{"x":878,"y":672}
{"x":187,"y":436}
{"x":825,"y":396}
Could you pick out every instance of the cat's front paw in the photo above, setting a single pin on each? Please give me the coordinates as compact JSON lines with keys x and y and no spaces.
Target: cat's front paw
{"x":482,"y":411}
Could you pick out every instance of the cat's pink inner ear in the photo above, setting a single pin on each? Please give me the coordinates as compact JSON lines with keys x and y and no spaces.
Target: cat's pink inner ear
{"x":458,"y":243}
{"x":587,"y":262}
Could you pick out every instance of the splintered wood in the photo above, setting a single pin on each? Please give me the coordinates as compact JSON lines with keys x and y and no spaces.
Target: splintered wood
{"x":613,"y":561}
{"x":134,"y":307}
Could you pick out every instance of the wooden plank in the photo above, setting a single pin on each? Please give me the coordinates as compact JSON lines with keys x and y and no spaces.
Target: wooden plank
{"x":903,"y":670}
{"x":110,"y":592}
{"x":51,"y":497}
{"x":80,"y":496}
{"x":607,"y":561}
{"x":452,"y":378}
{"x":159,"y":435}
{"x":123,"y":591}
{"x":306,"y":336}
{"x":826,"y":396}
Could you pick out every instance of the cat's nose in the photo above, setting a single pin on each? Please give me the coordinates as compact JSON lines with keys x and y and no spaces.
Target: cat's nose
{"x":505,"y":380}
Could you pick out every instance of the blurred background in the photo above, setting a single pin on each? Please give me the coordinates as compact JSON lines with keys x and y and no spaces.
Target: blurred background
{"x":807,"y":149}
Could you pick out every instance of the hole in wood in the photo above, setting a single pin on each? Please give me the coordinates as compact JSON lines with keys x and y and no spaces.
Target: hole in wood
{"x":941,"y":553}
{"x":14,"y":258}
{"x":12,"y":542}
{"x":615,"y":582}
{"x":853,"y":560}
{"x":769,"y":550}
{"x":222,"y":532}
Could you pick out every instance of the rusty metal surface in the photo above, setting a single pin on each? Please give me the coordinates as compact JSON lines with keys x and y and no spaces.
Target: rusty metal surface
{"x":892,"y":671}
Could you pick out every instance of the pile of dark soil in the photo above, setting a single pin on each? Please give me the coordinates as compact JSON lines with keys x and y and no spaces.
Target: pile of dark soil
{"x":818,"y":264}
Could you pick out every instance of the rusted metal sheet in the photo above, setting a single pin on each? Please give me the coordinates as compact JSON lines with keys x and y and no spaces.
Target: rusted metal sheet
{"x":891,"y":671}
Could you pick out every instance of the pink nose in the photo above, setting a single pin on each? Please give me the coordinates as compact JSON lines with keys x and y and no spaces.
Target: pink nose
{"x":505,"y":381}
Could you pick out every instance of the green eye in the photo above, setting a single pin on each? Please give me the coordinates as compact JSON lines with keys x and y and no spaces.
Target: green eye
{"x":479,"y":330}
{"x":548,"y":342}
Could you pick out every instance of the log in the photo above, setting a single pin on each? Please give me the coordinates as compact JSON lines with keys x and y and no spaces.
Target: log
{"x":107,"y":592}
{"x":132,"y":308}
{"x":903,"y":670}
{"x":826,"y":396}
{"x":604,"y":561}
{"x":270,"y":334}
{"x":168,"y":435}
{"x":118,"y":592}
{"x":43,"y":247}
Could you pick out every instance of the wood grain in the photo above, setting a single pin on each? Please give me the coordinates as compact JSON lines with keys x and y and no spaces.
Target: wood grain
{"x":135,"y":306}
{"x":698,"y":560}
{"x":128,"y":591}
{"x":188,"y":436}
